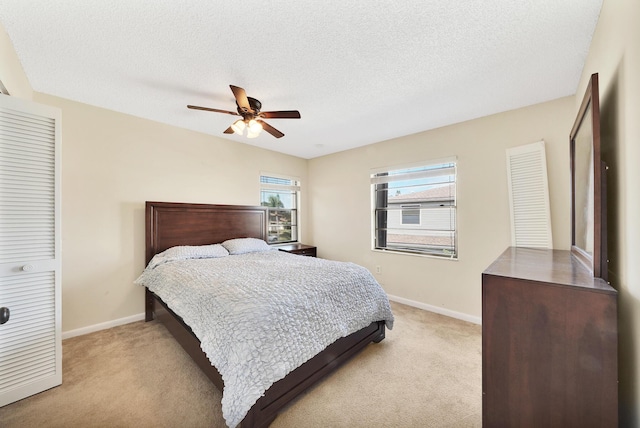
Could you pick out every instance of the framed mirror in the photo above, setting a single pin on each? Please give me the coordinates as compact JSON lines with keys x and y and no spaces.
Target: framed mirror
{"x":588,"y":207}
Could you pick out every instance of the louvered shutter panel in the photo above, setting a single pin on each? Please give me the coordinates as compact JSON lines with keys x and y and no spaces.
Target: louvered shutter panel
{"x":529,"y":196}
{"x":30,"y":342}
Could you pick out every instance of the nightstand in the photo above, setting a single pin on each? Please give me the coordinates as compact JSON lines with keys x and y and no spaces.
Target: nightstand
{"x":299,"y":249}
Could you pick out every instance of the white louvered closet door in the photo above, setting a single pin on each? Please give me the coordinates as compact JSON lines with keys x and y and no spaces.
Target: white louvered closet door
{"x":30,"y":340}
{"x":529,"y":196}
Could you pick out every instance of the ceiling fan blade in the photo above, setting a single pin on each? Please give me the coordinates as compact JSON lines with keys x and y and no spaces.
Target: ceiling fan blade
{"x":229,"y":130}
{"x":270,"y":129}
{"x":287,"y":114}
{"x":213,"y":109}
{"x":241,"y":98}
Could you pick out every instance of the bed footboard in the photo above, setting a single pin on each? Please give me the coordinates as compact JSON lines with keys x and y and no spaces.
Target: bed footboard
{"x":285,"y":390}
{"x":148,"y":305}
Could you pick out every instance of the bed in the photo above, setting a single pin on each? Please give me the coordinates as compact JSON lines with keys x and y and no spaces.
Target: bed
{"x":184,"y":224}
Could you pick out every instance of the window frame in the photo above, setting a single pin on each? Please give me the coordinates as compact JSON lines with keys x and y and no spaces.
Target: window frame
{"x":294,"y":187}
{"x":380,"y":213}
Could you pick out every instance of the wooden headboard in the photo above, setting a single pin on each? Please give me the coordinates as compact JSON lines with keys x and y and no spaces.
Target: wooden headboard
{"x":172,"y":223}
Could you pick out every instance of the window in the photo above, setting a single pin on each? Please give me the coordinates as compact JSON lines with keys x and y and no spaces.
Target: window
{"x":411,"y":214}
{"x":415,"y":209}
{"x":280,"y":196}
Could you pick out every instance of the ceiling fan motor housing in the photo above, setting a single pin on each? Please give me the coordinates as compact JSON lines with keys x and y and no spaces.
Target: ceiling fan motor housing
{"x":255,"y":105}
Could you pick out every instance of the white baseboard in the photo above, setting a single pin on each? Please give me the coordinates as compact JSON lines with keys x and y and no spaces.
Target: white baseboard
{"x":436,"y":309}
{"x":102,"y":326}
{"x":140,"y":317}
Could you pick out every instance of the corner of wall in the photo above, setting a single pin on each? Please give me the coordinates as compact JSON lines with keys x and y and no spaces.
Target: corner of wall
{"x":12,"y":74}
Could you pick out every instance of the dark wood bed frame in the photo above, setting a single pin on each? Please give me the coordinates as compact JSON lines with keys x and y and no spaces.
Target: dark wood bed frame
{"x":169,"y":224}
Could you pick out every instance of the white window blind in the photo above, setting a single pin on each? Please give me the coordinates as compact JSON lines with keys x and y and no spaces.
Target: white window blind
{"x":529,"y":196}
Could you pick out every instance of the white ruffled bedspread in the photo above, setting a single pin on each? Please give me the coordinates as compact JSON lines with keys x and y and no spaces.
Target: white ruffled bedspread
{"x":257,"y":315}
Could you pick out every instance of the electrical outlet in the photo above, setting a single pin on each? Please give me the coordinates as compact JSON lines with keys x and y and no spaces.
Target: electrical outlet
{"x":377,"y":269}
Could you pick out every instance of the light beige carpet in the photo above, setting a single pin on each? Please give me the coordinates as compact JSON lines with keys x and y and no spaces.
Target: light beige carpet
{"x":426,"y":373}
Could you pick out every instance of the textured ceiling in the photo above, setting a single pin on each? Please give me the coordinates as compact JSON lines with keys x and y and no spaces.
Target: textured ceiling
{"x":359,"y":71}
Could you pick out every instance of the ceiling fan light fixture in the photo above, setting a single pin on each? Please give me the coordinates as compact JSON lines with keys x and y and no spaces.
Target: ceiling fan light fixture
{"x":255,"y":126}
{"x":238,"y":126}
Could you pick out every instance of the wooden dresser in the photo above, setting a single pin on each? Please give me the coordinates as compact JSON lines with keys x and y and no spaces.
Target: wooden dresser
{"x":549,"y":343}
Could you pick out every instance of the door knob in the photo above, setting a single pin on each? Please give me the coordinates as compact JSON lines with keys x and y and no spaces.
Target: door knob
{"x":4,"y":315}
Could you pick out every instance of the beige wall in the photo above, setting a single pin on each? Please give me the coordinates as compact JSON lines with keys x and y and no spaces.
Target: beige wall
{"x":341,"y":201}
{"x":615,"y":56}
{"x":111,"y":164}
{"x":12,"y":75}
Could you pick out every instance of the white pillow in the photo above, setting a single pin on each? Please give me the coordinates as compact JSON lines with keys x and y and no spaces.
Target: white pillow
{"x":245,"y":245}
{"x":184,"y":252}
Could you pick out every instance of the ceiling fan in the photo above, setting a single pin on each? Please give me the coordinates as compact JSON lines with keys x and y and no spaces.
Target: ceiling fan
{"x":249,"y":109}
